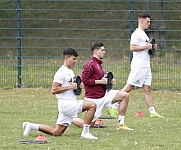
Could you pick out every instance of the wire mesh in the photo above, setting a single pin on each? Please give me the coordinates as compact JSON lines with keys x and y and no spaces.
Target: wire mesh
{"x":49,"y":26}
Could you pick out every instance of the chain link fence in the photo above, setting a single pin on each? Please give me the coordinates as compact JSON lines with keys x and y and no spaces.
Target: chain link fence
{"x":33,"y":34}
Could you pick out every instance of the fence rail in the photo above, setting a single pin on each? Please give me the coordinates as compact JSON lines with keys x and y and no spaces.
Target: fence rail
{"x":33,"y":34}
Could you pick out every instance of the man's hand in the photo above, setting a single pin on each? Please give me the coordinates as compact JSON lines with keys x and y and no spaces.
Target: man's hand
{"x":148,"y":46}
{"x":82,"y":86}
{"x":113,"y":81}
{"x":104,"y":80}
{"x":155,"y":46}
{"x":73,"y":86}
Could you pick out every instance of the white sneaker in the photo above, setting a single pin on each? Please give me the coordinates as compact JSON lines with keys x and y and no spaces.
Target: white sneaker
{"x":88,"y":136}
{"x":26,"y":128}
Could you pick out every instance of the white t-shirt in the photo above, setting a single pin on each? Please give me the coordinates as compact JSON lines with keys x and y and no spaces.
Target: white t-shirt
{"x":140,"y":58}
{"x":63,"y":76}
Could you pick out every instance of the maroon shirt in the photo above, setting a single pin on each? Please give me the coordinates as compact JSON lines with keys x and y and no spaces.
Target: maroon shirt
{"x":92,"y":71}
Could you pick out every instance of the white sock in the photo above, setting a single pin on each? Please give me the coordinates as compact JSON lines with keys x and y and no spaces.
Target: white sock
{"x":28,"y":127}
{"x":121,"y":119}
{"x":115,"y":105}
{"x":86,"y":128}
{"x":152,"y":110}
{"x":34,"y":126}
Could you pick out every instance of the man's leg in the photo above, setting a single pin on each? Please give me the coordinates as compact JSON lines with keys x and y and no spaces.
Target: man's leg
{"x":127,"y":88}
{"x":149,"y":102}
{"x":78,"y":122}
{"x":58,"y":130}
{"x":90,"y":108}
{"x":148,"y":97}
{"x":123,"y":99}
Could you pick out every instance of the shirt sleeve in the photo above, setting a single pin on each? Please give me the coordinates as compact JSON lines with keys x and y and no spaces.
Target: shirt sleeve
{"x":59,"y":78}
{"x":134,"y":39}
{"x":87,"y":73}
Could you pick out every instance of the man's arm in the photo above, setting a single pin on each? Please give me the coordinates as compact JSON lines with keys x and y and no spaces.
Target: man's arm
{"x":85,"y":77}
{"x":58,"y":89}
{"x":86,"y":74}
{"x":136,"y":48}
{"x":102,"y":81}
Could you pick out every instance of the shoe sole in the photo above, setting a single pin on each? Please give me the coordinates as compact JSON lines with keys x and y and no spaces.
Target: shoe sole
{"x":156,"y":117}
{"x":125,"y":129}
{"x":88,"y":138}
{"x":24,"y":127}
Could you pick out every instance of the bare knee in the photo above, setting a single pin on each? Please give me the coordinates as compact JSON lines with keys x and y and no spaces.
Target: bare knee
{"x":93,"y":106}
{"x":57,"y":133}
{"x":128,"y":88}
{"x":124,"y":96}
{"x":147,"y":89}
{"x":59,"y":130}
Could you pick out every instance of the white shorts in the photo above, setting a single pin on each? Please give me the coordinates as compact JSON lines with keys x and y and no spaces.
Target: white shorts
{"x":68,"y":109}
{"x":101,"y":102}
{"x":140,"y":76}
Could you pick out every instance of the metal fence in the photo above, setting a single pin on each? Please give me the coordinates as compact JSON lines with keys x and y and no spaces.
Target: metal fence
{"x":33,"y":34}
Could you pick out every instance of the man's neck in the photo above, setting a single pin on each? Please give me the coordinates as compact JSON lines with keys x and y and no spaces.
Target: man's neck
{"x":66,"y":65}
{"x":99,"y":60}
{"x":141,"y":28}
{"x":95,"y":56}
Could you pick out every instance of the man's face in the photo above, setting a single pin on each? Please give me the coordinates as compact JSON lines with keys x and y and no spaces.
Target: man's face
{"x":100,"y":52}
{"x":145,"y":23}
{"x":71,"y":61}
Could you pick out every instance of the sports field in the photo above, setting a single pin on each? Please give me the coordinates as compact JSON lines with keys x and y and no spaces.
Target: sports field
{"x":40,"y":106}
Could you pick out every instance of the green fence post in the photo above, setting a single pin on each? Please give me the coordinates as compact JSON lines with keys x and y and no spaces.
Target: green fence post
{"x":131,"y":6}
{"x":19,"y":41}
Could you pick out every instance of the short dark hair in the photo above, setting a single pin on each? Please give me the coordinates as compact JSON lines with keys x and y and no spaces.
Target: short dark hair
{"x":96,"y":45}
{"x":70,"y":52}
{"x":143,"y":16}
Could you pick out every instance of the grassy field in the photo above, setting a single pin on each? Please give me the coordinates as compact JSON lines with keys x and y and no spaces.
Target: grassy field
{"x":40,"y":106}
{"x":39,"y":72}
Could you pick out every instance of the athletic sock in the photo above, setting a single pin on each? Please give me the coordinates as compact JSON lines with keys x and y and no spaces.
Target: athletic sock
{"x":34,"y":126}
{"x":121,"y":119}
{"x":115,"y":106}
{"x":27,"y":126}
{"x":152,"y":110}
{"x":86,"y":128}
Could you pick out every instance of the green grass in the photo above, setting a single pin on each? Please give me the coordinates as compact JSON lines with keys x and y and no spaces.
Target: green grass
{"x":39,"y":72}
{"x":40,"y":106}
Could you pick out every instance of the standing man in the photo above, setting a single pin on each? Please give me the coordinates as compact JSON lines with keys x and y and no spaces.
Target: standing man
{"x":140,"y":74}
{"x":95,"y":81}
{"x":68,"y":106}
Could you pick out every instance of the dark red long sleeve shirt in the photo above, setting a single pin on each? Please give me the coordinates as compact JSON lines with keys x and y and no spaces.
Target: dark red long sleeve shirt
{"x":92,"y":71}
